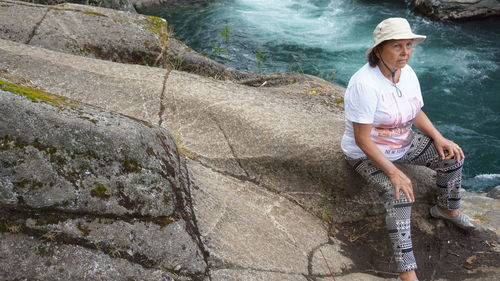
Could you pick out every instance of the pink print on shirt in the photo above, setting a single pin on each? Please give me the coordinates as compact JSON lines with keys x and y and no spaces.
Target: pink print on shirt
{"x":393,"y":134}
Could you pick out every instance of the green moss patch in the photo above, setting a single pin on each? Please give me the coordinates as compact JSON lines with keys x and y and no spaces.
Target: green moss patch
{"x":85,"y":230}
{"x":89,"y":119}
{"x":76,"y":10}
{"x":94,"y":13}
{"x":24,"y":183}
{"x":131,"y":165}
{"x":157,"y":26}
{"x":32,"y":94}
{"x":100,"y":191}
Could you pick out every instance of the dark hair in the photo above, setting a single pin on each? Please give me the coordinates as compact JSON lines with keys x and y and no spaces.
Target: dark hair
{"x":373,"y":60}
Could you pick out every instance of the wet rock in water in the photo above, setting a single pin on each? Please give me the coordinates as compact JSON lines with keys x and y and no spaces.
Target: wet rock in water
{"x":494,"y":192}
{"x":458,"y":9}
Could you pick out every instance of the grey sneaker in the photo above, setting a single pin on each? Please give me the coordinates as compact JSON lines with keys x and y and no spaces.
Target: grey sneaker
{"x":463,"y":221}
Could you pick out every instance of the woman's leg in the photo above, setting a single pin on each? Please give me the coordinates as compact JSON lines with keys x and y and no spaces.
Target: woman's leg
{"x":422,"y":152}
{"x":398,"y":213}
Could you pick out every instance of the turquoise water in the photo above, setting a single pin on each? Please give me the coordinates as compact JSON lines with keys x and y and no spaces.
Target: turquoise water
{"x":458,"y":65}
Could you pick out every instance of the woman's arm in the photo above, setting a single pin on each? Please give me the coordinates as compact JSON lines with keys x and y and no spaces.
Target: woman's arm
{"x":442,"y":144}
{"x":399,"y":180}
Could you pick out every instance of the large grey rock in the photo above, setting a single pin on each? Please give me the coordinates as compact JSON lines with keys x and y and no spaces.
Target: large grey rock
{"x":458,"y":9}
{"x":141,"y":5}
{"x":87,"y":79}
{"x":26,"y":258}
{"x":74,"y":174}
{"x":483,"y":209}
{"x":122,"y":5}
{"x":86,"y":161}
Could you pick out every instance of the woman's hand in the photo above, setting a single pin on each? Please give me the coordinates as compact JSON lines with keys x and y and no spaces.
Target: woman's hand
{"x":448,"y":149}
{"x":401,"y":182}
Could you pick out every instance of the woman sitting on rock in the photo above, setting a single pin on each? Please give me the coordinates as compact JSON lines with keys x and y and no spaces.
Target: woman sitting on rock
{"x":382,"y":102}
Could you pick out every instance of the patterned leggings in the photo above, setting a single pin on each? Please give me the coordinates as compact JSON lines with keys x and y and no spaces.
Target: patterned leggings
{"x":422,"y":152}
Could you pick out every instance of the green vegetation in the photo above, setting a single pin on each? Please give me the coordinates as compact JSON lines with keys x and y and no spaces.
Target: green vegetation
{"x":100,"y":191}
{"x":85,"y":230}
{"x":89,"y":119}
{"x":164,"y":221}
{"x":260,"y":58}
{"x":219,"y":47}
{"x":158,"y":26}
{"x":32,"y":94}
{"x":76,"y":10}
{"x":224,"y":33}
{"x":94,"y":13}
{"x":24,"y":182}
{"x":155,"y":24}
{"x":131,"y":165}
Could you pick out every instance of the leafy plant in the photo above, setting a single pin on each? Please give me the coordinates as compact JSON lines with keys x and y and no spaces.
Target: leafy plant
{"x":260,"y":58}
{"x":224,"y":33}
{"x":219,"y":48}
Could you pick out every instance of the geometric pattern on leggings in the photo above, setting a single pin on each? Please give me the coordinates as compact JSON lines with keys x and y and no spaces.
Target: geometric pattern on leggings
{"x":398,"y":213}
{"x":399,"y":227}
{"x":422,"y":152}
{"x":448,"y":172}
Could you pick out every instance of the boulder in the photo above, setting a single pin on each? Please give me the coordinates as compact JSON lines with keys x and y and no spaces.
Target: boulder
{"x":141,"y":5}
{"x":271,"y":194}
{"x":78,"y":183}
{"x":494,"y":192}
{"x":25,"y":257}
{"x":457,"y":9}
{"x":122,"y":5}
{"x":117,"y":36}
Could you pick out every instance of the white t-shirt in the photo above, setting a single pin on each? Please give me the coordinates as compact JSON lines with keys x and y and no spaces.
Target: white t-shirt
{"x":371,"y":98}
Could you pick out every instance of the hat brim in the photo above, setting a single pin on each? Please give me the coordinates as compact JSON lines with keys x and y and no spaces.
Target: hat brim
{"x":416,"y":38}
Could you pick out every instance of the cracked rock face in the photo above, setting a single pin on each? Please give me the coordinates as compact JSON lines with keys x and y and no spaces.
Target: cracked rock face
{"x":84,"y":183}
{"x":27,"y":258}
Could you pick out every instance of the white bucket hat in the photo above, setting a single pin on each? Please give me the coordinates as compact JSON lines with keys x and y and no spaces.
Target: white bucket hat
{"x":394,"y":29}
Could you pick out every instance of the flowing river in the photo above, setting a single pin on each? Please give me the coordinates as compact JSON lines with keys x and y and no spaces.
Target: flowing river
{"x":458,"y":65}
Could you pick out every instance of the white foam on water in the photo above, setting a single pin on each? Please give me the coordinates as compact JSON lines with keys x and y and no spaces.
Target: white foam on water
{"x":298,"y":22}
{"x":488,"y":176}
{"x":482,"y":182}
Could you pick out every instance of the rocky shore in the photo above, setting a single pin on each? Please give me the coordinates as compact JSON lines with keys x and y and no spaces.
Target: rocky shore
{"x":117,"y":164}
{"x":458,"y":9}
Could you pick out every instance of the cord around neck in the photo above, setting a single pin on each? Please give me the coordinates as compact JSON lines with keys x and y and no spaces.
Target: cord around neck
{"x":393,"y":75}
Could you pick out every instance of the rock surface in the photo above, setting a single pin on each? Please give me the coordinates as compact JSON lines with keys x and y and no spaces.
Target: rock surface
{"x":105,"y":185}
{"x":121,"y":5}
{"x":494,"y":192}
{"x":141,"y":5}
{"x":458,"y":9}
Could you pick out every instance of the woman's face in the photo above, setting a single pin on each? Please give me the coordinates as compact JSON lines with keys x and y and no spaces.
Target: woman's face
{"x":396,"y":53}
